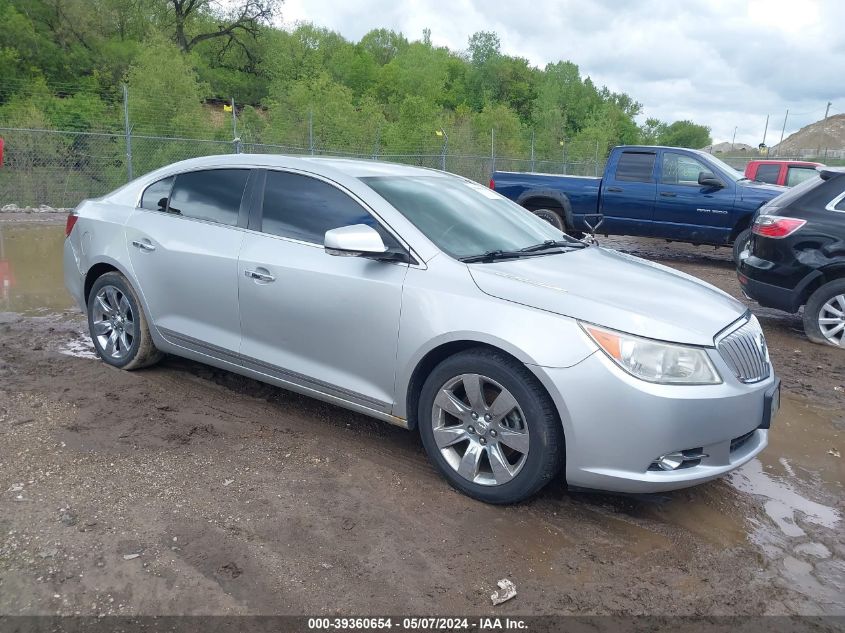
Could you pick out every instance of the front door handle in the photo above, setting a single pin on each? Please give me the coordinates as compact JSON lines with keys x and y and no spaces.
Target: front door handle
{"x":144,"y":245}
{"x":668,"y":194}
{"x":614,"y":189}
{"x":259,"y":276}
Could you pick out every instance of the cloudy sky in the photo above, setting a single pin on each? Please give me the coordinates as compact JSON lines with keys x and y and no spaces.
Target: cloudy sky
{"x":722,"y":63}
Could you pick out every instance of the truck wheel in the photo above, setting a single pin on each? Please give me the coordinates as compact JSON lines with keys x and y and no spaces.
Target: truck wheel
{"x":824,"y":314}
{"x":552,"y":217}
{"x":740,"y":244}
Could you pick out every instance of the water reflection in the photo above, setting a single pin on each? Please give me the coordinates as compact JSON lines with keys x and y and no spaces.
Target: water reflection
{"x":31,"y":269}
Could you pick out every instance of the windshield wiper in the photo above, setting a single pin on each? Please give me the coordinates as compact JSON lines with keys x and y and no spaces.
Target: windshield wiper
{"x":553,"y":244}
{"x":492,"y":256}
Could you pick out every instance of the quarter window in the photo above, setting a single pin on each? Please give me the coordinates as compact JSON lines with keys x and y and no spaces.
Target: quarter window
{"x":635,"y":167}
{"x":304,"y":208}
{"x":768,"y":173}
{"x":213,"y":194}
{"x":157,"y":194}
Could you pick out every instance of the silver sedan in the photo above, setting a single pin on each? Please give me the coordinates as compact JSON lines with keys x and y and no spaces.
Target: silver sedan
{"x":433,"y":303}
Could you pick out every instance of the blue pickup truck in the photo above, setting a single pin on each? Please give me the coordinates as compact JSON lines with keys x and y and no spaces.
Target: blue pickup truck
{"x":667,"y":192}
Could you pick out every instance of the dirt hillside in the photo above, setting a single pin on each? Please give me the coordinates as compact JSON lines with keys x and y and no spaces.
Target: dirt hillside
{"x":828,"y":133}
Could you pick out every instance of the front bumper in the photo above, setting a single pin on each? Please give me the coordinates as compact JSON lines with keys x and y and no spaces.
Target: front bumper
{"x":616,"y":425}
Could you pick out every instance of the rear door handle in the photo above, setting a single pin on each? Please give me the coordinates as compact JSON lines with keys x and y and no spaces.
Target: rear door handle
{"x":614,"y":189}
{"x":259,"y":276}
{"x":668,"y":194}
{"x":144,"y":245}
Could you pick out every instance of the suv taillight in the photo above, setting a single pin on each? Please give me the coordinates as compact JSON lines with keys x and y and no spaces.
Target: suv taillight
{"x":776,"y":227}
{"x":70,"y":223}
{"x":492,"y":184}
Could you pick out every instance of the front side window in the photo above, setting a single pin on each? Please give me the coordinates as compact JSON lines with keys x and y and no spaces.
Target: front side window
{"x":797,"y":175}
{"x":156,"y":196}
{"x":635,"y":167}
{"x":680,"y":169}
{"x":304,"y":208}
{"x":768,"y":173}
{"x":212,"y":194}
{"x":462,"y":218}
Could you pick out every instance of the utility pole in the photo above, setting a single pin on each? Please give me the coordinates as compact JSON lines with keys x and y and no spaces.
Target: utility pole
{"x":127,"y":131}
{"x":827,"y":110}
{"x":733,"y":140}
{"x":782,"y":130}
{"x":765,"y":130}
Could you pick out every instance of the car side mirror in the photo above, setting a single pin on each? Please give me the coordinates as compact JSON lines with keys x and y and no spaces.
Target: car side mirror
{"x":708,"y":179}
{"x":356,"y":240}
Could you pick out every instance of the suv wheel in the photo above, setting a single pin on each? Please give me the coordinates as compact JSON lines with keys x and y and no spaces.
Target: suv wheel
{"x":489,"y":427}
{"x":740,"y":244}
{"x":117,"y":324}
{"x":824,"y":314}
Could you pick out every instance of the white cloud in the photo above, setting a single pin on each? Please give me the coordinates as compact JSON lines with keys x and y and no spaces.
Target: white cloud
{"x":722,"y":63}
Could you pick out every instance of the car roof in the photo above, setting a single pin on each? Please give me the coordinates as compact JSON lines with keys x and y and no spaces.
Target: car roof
{"x":356,"y":168}
{"x":829,"y":172}
{"x":782,"y":161}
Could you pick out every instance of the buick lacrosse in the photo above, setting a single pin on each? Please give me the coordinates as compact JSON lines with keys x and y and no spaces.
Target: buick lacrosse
{"x":431,"y":302}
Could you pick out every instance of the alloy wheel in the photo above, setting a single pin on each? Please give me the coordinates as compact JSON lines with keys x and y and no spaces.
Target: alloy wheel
{"x":480,"y":429}
{"x":114,"y":324}
{"x":832,"y":320}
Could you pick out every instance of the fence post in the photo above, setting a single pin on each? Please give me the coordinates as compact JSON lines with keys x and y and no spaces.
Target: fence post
{"x":532,"y":151}
{"x":444,"y":149}
{"x":492,"y":150}
{"x":127,"y":132}
{"x":235,"y":138}
{"x":311,"y":131}
{"x":377,"y":144}
{"x":597,"y":158}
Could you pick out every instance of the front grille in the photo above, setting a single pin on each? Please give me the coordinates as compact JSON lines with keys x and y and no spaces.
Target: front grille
{"x":744,"y":350}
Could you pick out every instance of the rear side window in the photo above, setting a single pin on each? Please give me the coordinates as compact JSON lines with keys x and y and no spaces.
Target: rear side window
{"x":213,"y":194}
{"x":635,"y":167}
{"x":157,"y":194}
{"x":304,"y":208}
{"x":768,"y":173}
{"x":797,"y":175}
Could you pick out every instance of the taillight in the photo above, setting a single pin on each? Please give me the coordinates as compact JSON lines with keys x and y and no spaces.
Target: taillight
{"x":70,"y":223}
{"x":492,"y":184}
{"x":776,"y":227}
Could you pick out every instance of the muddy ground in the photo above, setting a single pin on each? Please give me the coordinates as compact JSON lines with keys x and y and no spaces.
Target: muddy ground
{"x":188,"y":490}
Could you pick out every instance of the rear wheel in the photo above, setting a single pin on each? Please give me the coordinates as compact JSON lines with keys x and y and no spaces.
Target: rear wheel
{"x":552,"y":217}
{"x":489,"y":427}
{"x":740,"y":244}
{"x":117,"y":324}
{"x":824,"y":314}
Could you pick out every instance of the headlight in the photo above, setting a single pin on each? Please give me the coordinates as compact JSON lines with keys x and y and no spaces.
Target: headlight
{"x":654,"y":361}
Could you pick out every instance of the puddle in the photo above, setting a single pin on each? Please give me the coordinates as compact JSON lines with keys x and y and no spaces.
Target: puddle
{"x":31,"y":278}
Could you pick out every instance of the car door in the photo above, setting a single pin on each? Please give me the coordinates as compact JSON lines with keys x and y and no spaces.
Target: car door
{"x":686,"y":210}
{"x":322,"y":322}
{"x":627,"y":194}
{"x":184,"y":241}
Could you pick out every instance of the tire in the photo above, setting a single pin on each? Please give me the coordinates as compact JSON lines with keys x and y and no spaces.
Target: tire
{"x":822,"y":324}
{"x":523,"y":428}
{"x":552,"y":217}
{"x":740,"y":243}
{"x":118,"y":325}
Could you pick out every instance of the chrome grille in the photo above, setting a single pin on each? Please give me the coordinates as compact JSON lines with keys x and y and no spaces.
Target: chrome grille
{"x":744,"y":350}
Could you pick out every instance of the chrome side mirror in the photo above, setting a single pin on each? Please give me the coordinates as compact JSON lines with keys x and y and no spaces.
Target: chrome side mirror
{"x":355,"y":240}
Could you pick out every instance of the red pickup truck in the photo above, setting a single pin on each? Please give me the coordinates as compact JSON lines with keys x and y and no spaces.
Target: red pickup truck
{"x":781,"y":172}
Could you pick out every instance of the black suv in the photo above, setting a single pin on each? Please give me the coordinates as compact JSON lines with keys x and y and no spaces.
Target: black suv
{"x":796,"y":255}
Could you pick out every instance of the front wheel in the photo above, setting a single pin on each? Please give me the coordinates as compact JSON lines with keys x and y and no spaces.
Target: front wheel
{"x":741,"y":244}
{"x":824,"y":314}
{"x":490,"y":427}
{"x":117,"y":324}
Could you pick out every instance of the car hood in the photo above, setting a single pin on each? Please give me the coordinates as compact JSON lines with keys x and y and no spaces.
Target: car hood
{"x":615,"y":290}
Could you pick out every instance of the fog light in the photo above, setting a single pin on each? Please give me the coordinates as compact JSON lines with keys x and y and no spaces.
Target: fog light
{"x":669,"y":461}
{"x":679,"y":459}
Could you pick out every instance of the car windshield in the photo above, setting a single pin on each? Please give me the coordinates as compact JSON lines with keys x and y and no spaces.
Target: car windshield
{"x":730,"y":172}
{"x":463,"y":218}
